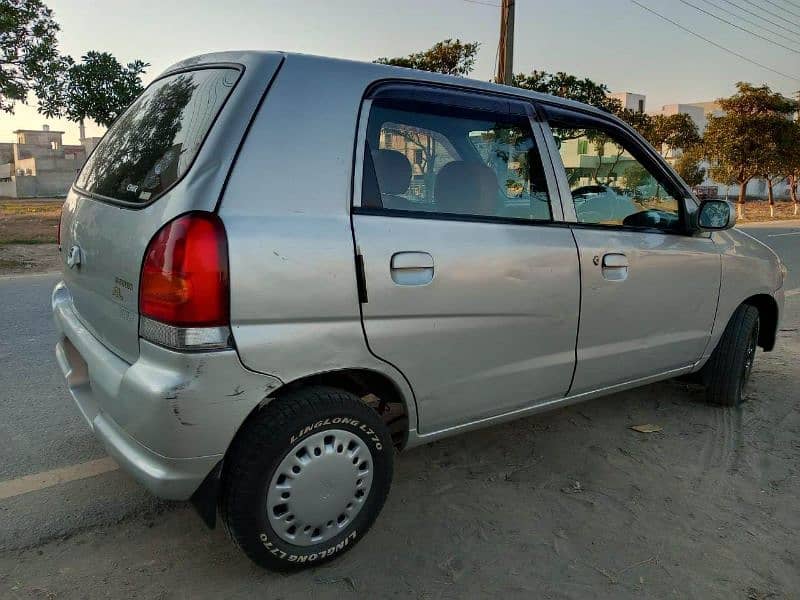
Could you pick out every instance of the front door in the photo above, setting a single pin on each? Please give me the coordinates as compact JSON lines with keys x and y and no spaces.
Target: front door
{"x":470,"y":289}
{"x":649,"y":287}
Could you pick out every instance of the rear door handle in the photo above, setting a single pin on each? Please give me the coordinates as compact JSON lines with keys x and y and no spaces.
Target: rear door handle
{"x":615,"y":266}
{"x":411,"y":268}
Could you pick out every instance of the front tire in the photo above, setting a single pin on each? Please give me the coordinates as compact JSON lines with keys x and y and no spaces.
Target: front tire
{"x":728,"y":370}
{"x":306,"y":478}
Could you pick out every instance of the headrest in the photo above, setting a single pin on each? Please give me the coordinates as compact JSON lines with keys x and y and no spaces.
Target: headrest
{"x":466,"y":188}
{"x":393,"y":171}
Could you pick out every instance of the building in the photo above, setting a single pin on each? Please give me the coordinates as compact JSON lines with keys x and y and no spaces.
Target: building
{"x":629,"y":100}
{"x":695,"y":111}
{"x":38,"y":164}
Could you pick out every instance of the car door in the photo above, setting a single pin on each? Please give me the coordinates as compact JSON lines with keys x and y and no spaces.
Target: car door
{"x":649,"y":285}
{"x":469,"y":286}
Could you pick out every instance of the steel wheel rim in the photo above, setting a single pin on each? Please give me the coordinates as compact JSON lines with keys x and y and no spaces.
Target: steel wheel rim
{"x":319,"y":487}
{"x":750,"y":356}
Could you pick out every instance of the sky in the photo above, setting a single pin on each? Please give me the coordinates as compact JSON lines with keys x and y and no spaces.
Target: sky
{"x":614,"y":42}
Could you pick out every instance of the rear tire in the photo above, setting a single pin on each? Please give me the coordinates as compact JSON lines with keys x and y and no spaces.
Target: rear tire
{"x":306,"y":478}
{"x":729,"y":367}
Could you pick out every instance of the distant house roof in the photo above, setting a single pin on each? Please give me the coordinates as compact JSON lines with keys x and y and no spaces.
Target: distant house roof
{"x":36,"y":131}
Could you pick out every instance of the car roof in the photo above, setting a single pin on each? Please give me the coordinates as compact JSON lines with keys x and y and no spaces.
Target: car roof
{"x":380,"y":71}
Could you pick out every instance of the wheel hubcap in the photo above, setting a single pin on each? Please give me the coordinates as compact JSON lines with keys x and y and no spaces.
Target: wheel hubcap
{"x":319,"y":487}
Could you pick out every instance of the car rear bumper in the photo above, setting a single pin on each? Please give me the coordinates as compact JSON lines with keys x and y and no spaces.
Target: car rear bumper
{"x":169,"y":417}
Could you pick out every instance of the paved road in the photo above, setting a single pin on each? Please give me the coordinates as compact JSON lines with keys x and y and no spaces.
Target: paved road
{"x":40,"y":429}
{"x":784,"y":238}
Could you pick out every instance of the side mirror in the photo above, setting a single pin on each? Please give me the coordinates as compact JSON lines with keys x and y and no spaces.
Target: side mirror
{"x":715,"y":215}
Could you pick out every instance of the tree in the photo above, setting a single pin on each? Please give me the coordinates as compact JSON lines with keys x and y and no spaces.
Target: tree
{"x":688,"y":166}
{"x":776,"y":163}
{"x":569,"y":86}
{"x":29,"y":58}
{"x":97,"y":88}
{"x":671,"y":132}
{"x":793,"y":163}
{"x":451,"y":57}
{"x":740,"y":144}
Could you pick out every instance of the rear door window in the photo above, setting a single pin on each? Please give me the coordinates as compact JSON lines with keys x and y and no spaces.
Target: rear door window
{"x":153,"y":143}
{"x":424,"y":157}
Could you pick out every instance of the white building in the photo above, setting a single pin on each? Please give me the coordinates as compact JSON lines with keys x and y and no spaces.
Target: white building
{"x":629,"y":100}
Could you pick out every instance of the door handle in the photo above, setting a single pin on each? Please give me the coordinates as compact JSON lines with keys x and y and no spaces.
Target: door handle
{"x":615,"y":266}
{"x":615,"y":261}
{"x":411,"y":268}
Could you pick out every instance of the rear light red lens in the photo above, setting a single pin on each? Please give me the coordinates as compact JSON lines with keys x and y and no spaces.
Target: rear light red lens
{"x":184,"y":278}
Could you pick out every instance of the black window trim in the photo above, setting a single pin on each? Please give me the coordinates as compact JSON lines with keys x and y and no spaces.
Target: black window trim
{"x":188,"y":69}
{"x":458,"y":97}
{"x":553,"y":111}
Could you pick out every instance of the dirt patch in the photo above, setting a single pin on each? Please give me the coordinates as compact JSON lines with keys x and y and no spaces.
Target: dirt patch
{"x":571,"y":504}
{"x":758,"y":210}
{"x":29,"y":221}
{"x":28,"y":231}
{"x":18,"y":259}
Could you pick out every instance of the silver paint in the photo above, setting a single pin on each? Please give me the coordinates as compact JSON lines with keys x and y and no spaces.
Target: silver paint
{"x":486,"y":330}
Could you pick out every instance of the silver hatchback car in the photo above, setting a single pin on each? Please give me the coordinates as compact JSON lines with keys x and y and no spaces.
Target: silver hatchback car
{"x":279,"y":269}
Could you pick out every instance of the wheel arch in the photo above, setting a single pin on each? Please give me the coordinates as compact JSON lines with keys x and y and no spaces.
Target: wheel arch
{"x":374,"y":388}
{"x":768,"y":316}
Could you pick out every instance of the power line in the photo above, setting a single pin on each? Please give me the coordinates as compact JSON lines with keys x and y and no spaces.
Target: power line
{"x":758,"y":35}
{"x":713,"y":43}
{"x":769,"y":12}
{"x":741,"y":18}
{"x":750,"y":12}
{"x":790,"y":3}
{"x":483,"y":3}
{"x":783,"y":8}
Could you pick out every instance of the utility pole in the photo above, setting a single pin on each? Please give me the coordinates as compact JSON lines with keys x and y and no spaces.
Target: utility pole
{"x":505,"y":50}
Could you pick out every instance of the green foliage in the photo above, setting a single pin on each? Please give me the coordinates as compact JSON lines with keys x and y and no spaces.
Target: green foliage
{"x":451,"y":57}
{"x":635,"y":176}
{"x":568,"y":86}
{"x":29,"y":59}
{"x":670,"y":132}
{"x":688,"y":166}
{"x":752,"y":100}
{"x":745,"y":142}
{"x":97,"y":88}
{"x":793,"y":161}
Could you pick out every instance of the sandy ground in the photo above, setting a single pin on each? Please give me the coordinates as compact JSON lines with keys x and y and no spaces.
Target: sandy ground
{"x":571,"y":504}
{"x":18,"y":259}
{"x":28,"y":230}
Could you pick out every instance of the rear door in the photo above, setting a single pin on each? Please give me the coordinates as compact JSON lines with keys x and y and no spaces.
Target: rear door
{"x":471,"y":287}
{"x":650,"y":287}
{"x":134,"y":182}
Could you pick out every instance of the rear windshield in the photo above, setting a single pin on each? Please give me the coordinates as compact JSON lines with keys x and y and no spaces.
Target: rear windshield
{"x":153,"y":143}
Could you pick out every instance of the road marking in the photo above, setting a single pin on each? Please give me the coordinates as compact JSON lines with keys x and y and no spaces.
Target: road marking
{"x":782,"y":234}
{"x":792,"y":293}
{"x":46,"y":479}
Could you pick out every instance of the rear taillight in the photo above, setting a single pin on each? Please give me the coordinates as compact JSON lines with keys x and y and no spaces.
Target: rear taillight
{"x":58,"y":231}
{"x":183,"y":291}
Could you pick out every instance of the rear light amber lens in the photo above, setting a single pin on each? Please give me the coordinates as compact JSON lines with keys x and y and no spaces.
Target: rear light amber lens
{"x":184,"y":279}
